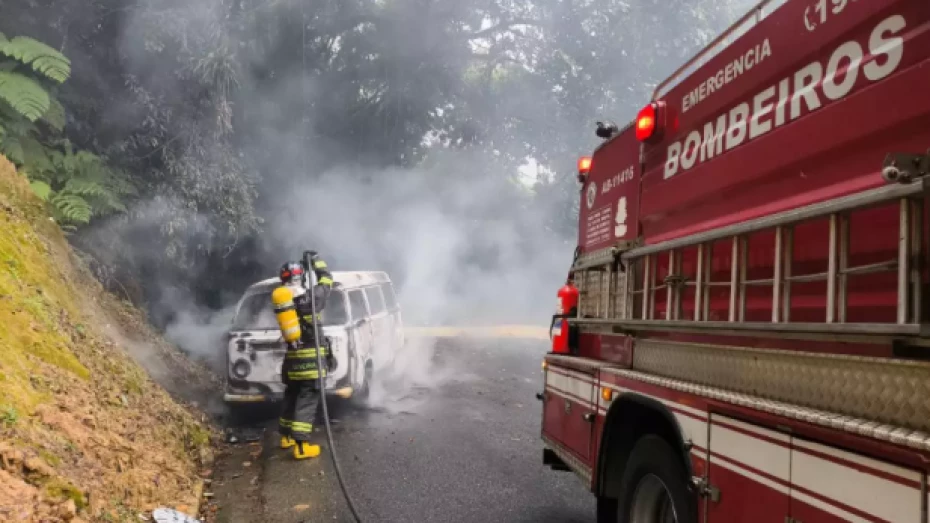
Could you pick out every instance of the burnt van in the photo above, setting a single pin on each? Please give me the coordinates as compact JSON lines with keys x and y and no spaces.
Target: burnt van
{"x":362,"y":316}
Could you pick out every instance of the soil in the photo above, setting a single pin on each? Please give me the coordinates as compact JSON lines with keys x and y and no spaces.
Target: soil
{"x":88,"y":428}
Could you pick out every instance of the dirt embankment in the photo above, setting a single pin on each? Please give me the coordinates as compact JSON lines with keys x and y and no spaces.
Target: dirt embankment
{"x":85,"y":432}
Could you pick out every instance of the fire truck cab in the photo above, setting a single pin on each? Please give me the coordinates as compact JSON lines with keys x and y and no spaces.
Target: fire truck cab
{"x":752,"y":328}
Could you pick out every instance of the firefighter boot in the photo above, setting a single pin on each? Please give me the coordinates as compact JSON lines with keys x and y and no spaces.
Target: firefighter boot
{"x":287,"y":442}
{"x":304,"y":450}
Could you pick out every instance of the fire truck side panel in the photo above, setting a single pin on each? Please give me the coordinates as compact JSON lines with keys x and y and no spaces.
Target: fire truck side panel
{"x":762,"y":472}
{"x":831,"y":151}
{"x":610,"y":196}
{"x":752,"y":468}
{"x":829,"y":484}
{"x":617,"y":350}
{"x":811,"y":119}
{"x":800,"y":109}
{"x":569,"y":408}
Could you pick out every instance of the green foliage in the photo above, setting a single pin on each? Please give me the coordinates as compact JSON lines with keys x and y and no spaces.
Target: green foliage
{"x":12,"y":148}
{"x":55,"y":116}
{"x":42,"y":58}
{"x":9,"y":415}
{"x":42,"y":190}
{"x":24,"y":94}
{"x":72,"y":208}
{"x":78,"y":185}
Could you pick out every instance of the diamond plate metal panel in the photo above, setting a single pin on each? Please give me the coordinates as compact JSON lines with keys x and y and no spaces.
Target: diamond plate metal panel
{"x":881,"y":390}
{"x":896,"y":435}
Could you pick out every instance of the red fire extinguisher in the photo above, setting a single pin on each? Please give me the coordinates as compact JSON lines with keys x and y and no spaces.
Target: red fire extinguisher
{"x":567,"y":308}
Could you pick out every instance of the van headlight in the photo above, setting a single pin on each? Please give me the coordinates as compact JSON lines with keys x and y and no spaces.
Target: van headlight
{"x":241,"y":369}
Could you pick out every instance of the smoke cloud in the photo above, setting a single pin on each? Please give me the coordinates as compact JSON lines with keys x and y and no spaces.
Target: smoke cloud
{"x":465,"y":242}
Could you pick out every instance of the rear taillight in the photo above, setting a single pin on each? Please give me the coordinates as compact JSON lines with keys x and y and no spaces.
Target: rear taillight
{"x":648,"y":123}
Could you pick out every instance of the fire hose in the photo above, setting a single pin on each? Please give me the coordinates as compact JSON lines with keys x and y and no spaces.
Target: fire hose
{"x":322,"y":384}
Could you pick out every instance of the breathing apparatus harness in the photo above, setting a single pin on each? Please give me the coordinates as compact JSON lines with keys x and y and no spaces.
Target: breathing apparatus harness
{"x":306,"y":261}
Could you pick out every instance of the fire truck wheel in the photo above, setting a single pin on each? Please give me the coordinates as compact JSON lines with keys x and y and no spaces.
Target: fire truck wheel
{"x":654,"y":486}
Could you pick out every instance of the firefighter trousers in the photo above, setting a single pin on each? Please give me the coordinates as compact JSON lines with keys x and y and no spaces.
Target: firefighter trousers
{"x":299,"y":411}
{"x":301,"y":395}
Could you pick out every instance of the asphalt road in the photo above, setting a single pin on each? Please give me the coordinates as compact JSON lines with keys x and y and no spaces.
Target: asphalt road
{"x":451,"y":435}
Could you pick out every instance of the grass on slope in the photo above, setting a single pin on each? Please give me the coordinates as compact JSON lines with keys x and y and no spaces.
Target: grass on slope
{"x":84,"y":432}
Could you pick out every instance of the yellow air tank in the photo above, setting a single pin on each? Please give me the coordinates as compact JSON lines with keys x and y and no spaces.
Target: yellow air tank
{"x":283,"y":300}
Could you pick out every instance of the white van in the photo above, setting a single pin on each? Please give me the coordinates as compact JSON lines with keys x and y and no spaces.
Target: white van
{"x":361,"y":316}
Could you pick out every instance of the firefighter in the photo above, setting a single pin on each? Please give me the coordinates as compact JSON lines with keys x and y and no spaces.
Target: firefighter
{"x":299,"y":372}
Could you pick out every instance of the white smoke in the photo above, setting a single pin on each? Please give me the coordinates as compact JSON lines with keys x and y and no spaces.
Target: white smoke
{"x":463,"y":244}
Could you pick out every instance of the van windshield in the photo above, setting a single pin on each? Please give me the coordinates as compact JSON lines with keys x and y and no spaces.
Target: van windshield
{"x":257,"y":313}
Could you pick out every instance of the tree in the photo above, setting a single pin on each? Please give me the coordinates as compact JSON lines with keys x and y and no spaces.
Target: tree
{"x":214,"y":109}
{"x":77,"y":184}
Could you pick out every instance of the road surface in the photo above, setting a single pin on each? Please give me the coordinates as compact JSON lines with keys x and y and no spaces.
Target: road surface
{"x":451,"y":435}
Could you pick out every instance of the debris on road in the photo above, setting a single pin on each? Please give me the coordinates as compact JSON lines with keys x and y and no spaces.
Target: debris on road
{"x":170,"y":515}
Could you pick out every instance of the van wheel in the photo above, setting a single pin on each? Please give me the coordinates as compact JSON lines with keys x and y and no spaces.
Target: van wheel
{"x":654,"y":486}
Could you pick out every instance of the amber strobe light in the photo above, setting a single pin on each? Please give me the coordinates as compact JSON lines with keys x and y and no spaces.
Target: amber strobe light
{"x":607,"y":393}
{"x":584,"y":167}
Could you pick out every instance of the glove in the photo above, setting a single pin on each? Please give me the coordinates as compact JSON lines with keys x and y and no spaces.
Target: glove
{"x":307,"y":260}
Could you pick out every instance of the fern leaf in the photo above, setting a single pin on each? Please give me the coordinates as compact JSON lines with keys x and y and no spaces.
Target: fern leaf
{"x":41,"y":189}
{"x":35,"y":157}
{"x":24,"y":94}
{"x":105,"y":205}
{"x":55,"y":116}
{"x":72,"y":207}
{"x":43,"y":58}
{"x":83,"y":187}
{"x":12,"y":148}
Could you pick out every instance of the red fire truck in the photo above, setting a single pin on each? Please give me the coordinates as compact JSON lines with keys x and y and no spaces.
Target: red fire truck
{"x":751,"y":337}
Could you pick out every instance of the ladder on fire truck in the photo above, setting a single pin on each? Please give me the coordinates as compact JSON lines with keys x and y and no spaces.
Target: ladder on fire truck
{"x":619,"y":289}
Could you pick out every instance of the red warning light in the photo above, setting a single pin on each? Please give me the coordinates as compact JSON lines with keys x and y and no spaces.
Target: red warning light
{"x":646,"y":123}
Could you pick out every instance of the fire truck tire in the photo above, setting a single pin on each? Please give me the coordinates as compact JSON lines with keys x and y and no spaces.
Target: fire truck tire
{"x":654,"y":485}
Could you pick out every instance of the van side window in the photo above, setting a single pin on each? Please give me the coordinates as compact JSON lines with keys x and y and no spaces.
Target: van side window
{"x":334,"y":313}
{"x":389,"y":298}
{"x":375,"y":300}
{"x":357,"y":302}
